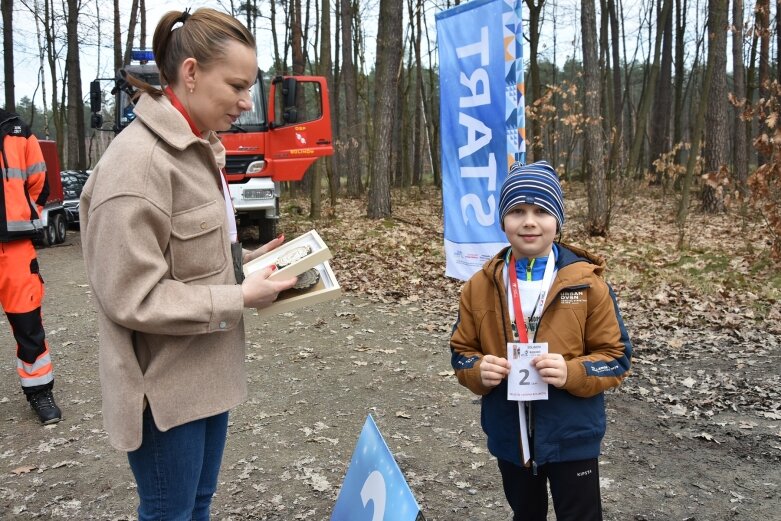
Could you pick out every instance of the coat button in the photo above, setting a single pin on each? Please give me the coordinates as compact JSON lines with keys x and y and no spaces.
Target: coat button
{"x":203,"y":225}
{"x":223,"y":324}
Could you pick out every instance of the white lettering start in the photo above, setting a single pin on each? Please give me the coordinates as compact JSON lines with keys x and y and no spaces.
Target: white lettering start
{"x":478,"y":133}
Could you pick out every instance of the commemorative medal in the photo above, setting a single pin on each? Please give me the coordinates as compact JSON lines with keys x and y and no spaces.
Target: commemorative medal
{"x":294,"y":255}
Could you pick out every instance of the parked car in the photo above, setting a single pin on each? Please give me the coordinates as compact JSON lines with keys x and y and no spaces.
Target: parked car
{"x":72,"y":184}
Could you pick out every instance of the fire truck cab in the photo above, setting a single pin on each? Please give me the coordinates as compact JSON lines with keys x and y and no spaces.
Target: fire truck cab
{"x":278,"y":140}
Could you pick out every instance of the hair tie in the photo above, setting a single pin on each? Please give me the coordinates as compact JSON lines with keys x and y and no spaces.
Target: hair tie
{"x":182,"y":19}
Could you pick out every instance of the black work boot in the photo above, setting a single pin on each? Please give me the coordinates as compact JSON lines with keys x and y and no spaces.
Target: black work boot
{"x":43,"y":404}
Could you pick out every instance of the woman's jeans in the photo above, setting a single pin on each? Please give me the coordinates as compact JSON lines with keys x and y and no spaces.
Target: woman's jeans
{"x":176,"y":471}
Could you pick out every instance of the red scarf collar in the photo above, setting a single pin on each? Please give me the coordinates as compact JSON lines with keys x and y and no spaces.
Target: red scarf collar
{"x":178,"y":106}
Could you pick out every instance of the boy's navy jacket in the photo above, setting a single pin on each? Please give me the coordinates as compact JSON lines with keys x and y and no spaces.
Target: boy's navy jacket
{"x":582,"y":322}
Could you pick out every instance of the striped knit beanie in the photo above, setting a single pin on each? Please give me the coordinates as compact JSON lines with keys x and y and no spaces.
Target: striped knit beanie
{"x":536,"y":184}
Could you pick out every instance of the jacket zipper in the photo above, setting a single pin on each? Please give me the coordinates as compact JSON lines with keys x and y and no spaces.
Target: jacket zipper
{"x":530,"y":415}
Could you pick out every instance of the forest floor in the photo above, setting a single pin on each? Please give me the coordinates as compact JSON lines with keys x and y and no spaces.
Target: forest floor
{"x":693,"y":434}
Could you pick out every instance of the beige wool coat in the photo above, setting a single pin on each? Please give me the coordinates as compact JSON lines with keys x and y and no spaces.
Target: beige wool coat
{"x":158,"y":259}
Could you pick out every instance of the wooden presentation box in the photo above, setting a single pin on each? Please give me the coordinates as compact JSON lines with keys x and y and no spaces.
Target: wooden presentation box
{"x":305,"y":252}
{"x":327,"y":288}
{"x":318,"y":253}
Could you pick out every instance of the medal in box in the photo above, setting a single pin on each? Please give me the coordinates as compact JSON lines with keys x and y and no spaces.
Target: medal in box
{"x":305,"y":257}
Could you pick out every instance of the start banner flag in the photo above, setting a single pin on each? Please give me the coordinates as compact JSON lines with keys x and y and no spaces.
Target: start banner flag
{"x":374,"y":488}
{"x":482,"y":124}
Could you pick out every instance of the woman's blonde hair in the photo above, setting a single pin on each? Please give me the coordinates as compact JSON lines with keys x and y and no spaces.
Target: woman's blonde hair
{"x":202,"y":35}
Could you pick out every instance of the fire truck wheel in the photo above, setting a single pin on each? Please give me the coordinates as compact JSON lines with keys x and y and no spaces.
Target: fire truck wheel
{"x":49,"y":234}
{"x":60,"y":228}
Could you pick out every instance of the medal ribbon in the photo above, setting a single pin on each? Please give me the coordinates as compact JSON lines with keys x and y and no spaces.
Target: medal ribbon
{"x":518,"y":318}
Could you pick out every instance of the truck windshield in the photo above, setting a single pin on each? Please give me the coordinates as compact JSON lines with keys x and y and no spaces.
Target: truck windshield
{"x":254,"y":117}
{"x":126,"y":104}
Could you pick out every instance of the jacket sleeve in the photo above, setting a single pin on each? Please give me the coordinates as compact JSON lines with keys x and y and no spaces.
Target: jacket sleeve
{"x":608,"y":350}
{"x":465,"y":349}
{"x":124,"y":240}
{"x":37,"y":185}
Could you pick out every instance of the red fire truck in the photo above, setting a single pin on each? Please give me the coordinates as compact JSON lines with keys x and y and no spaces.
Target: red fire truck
{"x":278,"y":140}
{"x":53,"y":217}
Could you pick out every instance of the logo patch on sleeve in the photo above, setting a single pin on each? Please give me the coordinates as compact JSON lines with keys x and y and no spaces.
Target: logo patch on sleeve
{"x":577,"y":296}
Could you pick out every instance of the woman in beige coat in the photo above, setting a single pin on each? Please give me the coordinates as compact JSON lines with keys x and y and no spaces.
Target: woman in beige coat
{"x":156,"y":225}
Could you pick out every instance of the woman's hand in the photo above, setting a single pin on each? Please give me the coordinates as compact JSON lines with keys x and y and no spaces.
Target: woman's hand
{"x":259,"y":292}
{"x":493,"y":370}
{"x":552,"y":369}
{"x":270,"y":245}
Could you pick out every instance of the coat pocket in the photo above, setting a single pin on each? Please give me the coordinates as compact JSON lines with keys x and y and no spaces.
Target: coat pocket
{"x":197,"y":242}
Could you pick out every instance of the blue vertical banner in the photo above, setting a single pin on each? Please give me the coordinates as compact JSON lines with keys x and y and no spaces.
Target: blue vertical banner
{"x":374,"y":488}
{"x":482,"y":124}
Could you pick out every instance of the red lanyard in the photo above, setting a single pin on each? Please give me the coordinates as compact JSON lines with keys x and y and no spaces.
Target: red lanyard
{"x":178,"y":106}
{"x":520,"y":323}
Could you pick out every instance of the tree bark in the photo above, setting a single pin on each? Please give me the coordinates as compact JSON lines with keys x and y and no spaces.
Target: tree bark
{"x":131,"y":32}
{"x":680,"y":58}
{"x":716,"y":132}
{"x":77,"y":148}
{"x":648,"y":93}
{"x":740,"y":159}
{"x":351,"y":132}
{"x":617,"y":146}
{"x":8,"y":54}
{"x":598,"y":209}
{"x":535,"y":9}
{"x":660,"y":141}
{"x":386,"y":83}
{"x":117,"y":38}
{"x":324,"y":66}
{"x":763,"y":23}
{"x":699,"y":124}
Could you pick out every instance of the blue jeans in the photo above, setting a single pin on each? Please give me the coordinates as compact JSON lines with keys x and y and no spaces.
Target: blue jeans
{"x":176,"y":471}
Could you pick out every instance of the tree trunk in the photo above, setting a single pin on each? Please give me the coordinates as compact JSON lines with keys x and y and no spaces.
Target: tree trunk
{"x":740,"y":159}
{"x":699,"y":124}
{"x":77,"y":149}
{"x":389,"y":53}
{"x":131,"y":32}
{"x":716,"y":132}
{"x":617,"y":146}
{"x":763,"y":23}
{"x":660,"y":123}
{"x":324,"y":66}
{"x":598,"y":210}
{"x":8,"y":54}
{"x":117,"y":38}
{"x":51,"y":57}
{"x":648,"y":93}
{"x":537,"y":147}
{"x":680,"y":59}
{"x":352,"y":132}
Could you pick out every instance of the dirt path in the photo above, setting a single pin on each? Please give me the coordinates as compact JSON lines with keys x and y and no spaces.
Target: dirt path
{"x":314,"y":377}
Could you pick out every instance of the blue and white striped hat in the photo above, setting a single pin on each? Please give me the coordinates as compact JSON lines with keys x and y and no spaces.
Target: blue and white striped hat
{"x":536,"y":184}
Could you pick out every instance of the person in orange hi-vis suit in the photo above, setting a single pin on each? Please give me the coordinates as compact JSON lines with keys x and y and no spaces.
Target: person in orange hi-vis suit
{"x":23,"y":192}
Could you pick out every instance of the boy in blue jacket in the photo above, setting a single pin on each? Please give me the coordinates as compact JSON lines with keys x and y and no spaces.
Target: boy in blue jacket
{"x":565,"y":304}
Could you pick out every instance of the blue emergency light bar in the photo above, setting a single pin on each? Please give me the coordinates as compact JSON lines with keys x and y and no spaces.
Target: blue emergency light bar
{"x":142,"y":55}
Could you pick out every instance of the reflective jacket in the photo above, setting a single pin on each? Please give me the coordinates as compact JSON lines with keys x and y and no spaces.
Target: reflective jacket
{"x":582,"y":322}
{"x":24,"y":189}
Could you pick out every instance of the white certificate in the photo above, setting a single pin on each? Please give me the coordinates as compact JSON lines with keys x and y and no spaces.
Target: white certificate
{"x":525,"y":383}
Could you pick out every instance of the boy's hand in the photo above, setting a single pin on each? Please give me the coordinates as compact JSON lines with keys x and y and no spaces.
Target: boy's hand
{"x":493,"y":370}
{"x":552,"y":369}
